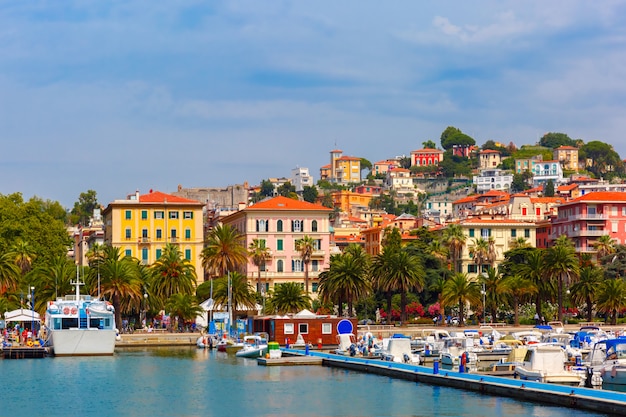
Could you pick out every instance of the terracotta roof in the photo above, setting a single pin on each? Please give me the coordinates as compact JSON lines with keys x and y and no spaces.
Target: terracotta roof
{"x":159,"y":197}
{"x":546,"y":200}
{"x":466,"y":200}
{"x":489,"y":151}
{"x":348,"y":158}
{"x":327,"y":166}
{"x":428,"y":150}
{"x":491,"y":221}
{"x":336,"y":150}
{"x":284,"y":203}
{"x":566,"y":148}
{"x":567,"y":187}
{"x":604,"y":196}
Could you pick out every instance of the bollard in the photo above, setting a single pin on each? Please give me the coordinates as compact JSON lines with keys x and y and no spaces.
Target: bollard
{"x":436,"y":367}
{"x":306,"y":349}
{"x":461,"y":365}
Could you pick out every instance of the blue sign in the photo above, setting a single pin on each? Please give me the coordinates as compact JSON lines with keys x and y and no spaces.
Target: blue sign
{"x":344,"y":327}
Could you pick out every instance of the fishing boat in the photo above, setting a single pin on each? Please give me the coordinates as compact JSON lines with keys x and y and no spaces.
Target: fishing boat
{"x":80,"y":325}
{"x":254,"y":346}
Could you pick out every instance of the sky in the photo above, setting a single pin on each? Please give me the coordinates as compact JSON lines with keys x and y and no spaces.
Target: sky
{"x":119,"y":96}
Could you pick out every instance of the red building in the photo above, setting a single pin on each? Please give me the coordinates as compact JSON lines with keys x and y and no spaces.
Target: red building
{"x":313,"y":328}
{"x":426,"y":157}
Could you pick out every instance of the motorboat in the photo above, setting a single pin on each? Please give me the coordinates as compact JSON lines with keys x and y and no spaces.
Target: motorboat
{"x":459,"y":350}
{"x":254,"y":346}
{"x":608,"y":360}
{"x":228,"y":345}
{"x":80,"y":325}
{"x":546,"y":363}
{"x":399,"y":350}
{"x":346,"y":344}
{"x":207,"y":341}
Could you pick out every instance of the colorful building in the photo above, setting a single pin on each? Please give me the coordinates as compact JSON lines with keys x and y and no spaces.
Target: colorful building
{"x":489,"y":159}
{"x":142,"y":225}
{"x":344,"y":169}
{"x":279,"y":222}
{"x":426,"y":157}
{"x":381,"y":167}
{"x":568,"y":156}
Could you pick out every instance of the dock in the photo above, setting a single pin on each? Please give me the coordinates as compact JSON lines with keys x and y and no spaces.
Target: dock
{"x":24,"y":352}
{"x":291,"y":360}
{"x":600,"y":401}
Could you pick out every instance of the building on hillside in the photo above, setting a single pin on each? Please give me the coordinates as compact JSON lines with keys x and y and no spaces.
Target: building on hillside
{"x":439,"y":207}
{"x":344,"y":169}
{"x":279,"y":222}
{"x":143,"y":224}
{"x":546,"y":171}
{"x":381,"y":167}
{"x":504,"y":233}
{"x":426,"y":157}
{"x":468,"y":206}
{"x":523,"y":207}
{"x":544,"y":229}
{"x":568,"y":156}
{"x":371,"y":190}
{"x":463,"y":150}
{"x":489,"y":159}
{"x":325,"y":172}
{"x":300,"y":178}
{"x":349,"y":202}
{"x":586,"y":218}
{"x":568,"y":191}
{"x":400,"y":181}
{"x":86,"y":237}
{"x":527,"y":164}
{"x":492,"y":179}
{"x":593,"y":186}
{"x":228,"y":197}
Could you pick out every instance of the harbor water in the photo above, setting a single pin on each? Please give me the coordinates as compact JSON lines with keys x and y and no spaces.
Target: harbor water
{"x":193,"y":382}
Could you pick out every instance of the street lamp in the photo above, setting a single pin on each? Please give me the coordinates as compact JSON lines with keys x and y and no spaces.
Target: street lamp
{"x":484,"y":294}
{"x":145,"y":309}
{"x":31,"y":299}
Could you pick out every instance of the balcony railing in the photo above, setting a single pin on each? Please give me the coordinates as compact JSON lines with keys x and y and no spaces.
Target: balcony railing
{"x":579,"y":233}
{"x":144,"y":240}
{"x":318,"y":253}
{"x":588,"y":216}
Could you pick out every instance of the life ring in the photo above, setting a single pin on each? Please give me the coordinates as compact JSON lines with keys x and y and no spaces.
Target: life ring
{"x":30,"y":343}
{"x":74,"y":310}
{"x":66,"y":310}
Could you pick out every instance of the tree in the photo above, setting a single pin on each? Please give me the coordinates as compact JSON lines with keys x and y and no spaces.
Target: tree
{"x":405,"y":162}
{"x":286,"y":190}
{"x":612,"y":297}
{"x":554,"y":140}
{"x":306,"y":245}
{"x":365,"y":164}
{"x":172,"y":274}
{"x":458,"y":138}
{"x":54,"y":279}
{"x":604,"y":246}
{"x":449,"y":131}
{"x":23,"y":255}
{"x":259,"y":255}
{"x":483,"y":252}
{"x":520,"y":181}
{"x":288,"y":298}
{"x":9,"y":274}
{"x":267,"y":188}
{"x":549,"y":189}
{"x":584,"y":291}
{"x":429,"y":144}
{"x":184,"y":307}
{"x":84,"y":207}
{"x":396,"y":270}
{"x":530,"y":265}
{"x":223,"y":251}
{"x":461,"y":290}
{"x":309,"y":194}
{"x":518,"y":287}
{"x":562,"y":265}
{"x":606,"y":162}
{"x":495,"y":290}
{"x":241,"y":294}
{"x":454,"y":238}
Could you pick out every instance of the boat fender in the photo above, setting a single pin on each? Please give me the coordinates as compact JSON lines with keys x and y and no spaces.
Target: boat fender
{"x":464,"y":358}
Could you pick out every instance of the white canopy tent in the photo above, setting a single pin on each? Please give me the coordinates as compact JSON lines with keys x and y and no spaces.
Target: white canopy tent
{"x":21,"y":315}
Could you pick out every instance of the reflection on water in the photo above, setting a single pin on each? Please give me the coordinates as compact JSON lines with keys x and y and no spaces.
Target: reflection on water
{"x":194,"y":382}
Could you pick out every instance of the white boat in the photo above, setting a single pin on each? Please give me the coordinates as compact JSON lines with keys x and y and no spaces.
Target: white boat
{"x":458,"y":350}
{"x":399,"y":350}
{"x":80,"y":325}
{"x":207,"y":341}
{"x":546,"y":363}
{"x":254,"y":346}
{"x":608,"y":360}
{"x":346,"y":344}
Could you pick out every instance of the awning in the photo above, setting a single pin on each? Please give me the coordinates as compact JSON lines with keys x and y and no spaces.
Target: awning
{"x":21,"y":315}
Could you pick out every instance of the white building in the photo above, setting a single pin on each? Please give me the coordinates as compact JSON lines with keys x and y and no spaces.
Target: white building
{"x":493,"y":179}
{"x":301,"y":178}
{"x":544,"y":171}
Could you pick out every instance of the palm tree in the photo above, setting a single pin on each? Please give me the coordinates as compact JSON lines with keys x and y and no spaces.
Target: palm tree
{"x":534,"y":270}
{"x":23,"y":255}
{"x":224,"y":251}
{"x":495,"y":290}
{"x":562,"y":265}
{"x":518,"y":287}
{"x":259,"y":255}
{"x":9,"y":274}
{"x":172,"y":274}
{"x":288,"y":298}
{"x":120,"y":281}
{"x":483,"y":252}
{"x":460,"y":289}
{"x":184,"y":307}
{"x":438,"y":250}
{"x":454,"y":238}
{"x":306,"y":246}
{"x":347,"y":278}
{"x":519,"y":243}
{"x":612,"y":297}
{"x":241,"y":295}
{"x":584,"y":291}
{"x":399,"y":271}
{"x":605,"y":245}
{"x":55,"y":278}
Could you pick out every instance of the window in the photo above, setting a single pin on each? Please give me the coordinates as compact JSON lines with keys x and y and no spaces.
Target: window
{"x":144,"y":233}
{"x":288,"y":328}
{"x":614,"y":227}
{"x":614,"y":211}
{"x":526,"y":233}
{"x":296,"y":265}
{"x":261,"y":225}
{"x":471,"y":232}
{"x":314,"y":265}
{"x":159,"y":234}
{"x":144,"y":214}
{"x":188,"y":254}
{"x":144,"y":255}
{"x":296,"y":225}
{"x":187,"y":214}
{"x":262,"y":243}
{"x":128,"y":233}
{"x":128,"y":252}
{"x":279,"y":226}
{"x":327,"y":328}
{"x":314,"y":226}
{"x":279,"y":244}
{"x":317,"y":244}
{"x":314,"y":286}
{"x":538,"y":211}
{"x":158,"y":253}
{"x":472,"y":268}
{"x":128,"y":214}
{"x":173,"y":234}
{"x":280,"y":266}
{"x":173,"y":214}
{"x":158,"y":214}
{"x":524,"y":211}
{"x":513,"y":233}
{"x":303,"y":328}
{"x":187,"y":233}
{"x":485,"y":233}
{"x":623,"y":211}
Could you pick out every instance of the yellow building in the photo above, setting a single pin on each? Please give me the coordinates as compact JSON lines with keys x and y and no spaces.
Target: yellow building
{"x":142,"y":225}
{"x":344,"y":169}
{"x":346,"y":200}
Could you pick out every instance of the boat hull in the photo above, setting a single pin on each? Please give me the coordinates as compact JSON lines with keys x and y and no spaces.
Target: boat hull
{"x":83,"y":342}
{"x":252,"y":353}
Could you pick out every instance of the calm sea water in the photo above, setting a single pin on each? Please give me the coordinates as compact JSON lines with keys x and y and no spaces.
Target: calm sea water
{"x":192,"y":382}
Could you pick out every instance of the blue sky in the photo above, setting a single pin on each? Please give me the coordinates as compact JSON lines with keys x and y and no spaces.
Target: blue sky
{"x":117,"y":96}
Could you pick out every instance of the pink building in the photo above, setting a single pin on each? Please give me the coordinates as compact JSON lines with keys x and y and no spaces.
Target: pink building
{"x":426,"y":157}
{"x":279,"y":222}
{"x":586,"y":218}
{"x":381,"y":167}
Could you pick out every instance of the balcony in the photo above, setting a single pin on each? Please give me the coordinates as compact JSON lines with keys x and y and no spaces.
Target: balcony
{"x":144,"y":240}
{"x":318,"y":254}
{"x":589,"y":233}
{"x":173,"y":240}
{"x":587,"y":216}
